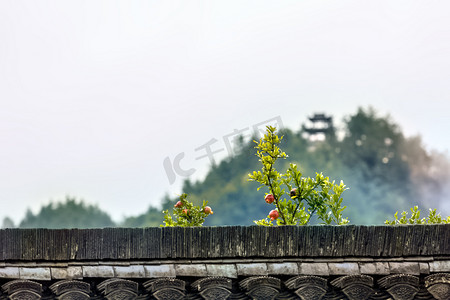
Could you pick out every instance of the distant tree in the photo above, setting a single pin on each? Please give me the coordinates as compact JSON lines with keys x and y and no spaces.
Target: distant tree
{"x":8,"y":223}
{"x":386,"y":170}
{"x":373,"y":167}
{"x":67,"y":214}
{"x":373,"y":144}
{"x":152,"y":218}
{"x":429,"y":171}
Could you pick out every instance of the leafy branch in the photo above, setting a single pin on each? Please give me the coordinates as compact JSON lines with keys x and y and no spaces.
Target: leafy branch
{"x":307,"y":196}
{"x":186,"y":214}
{"x":433,"y":218}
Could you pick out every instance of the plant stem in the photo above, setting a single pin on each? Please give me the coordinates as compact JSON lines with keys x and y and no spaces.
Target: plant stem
{"x":298,"y":204}
{"x":307,"y":221}
{"x":270,"y":182}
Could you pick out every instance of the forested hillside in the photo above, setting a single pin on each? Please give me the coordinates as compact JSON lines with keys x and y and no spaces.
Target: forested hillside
{"x":384,"y":171}
{"x":67,"y":214}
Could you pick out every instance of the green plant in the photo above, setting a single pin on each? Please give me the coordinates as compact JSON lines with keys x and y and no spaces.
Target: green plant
{"x":306,"y":197}
{"x":433,"y":218}
{"x":186,"y":214}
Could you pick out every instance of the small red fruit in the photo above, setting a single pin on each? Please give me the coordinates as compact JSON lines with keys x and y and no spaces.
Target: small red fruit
{"x":273,"y":215}
{"x":179,"y":204}
{"x":208,"y":210}
{"x":293,"y":193}
{"x":269,"y":198}
{"x":185,"y":211}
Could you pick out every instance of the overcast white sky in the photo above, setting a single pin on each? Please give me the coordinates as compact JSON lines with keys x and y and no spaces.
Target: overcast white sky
{"x":95,"y":95}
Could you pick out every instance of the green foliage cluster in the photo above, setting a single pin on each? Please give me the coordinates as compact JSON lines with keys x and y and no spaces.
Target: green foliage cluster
{"x":186,"y":214}
{"x":67,"y":214}
{"x":309,"y":196}
{"x":433,"y":218}
{"x":150,"y":218}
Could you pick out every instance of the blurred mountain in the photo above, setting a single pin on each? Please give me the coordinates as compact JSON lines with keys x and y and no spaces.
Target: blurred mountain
{"x":384,"y":171}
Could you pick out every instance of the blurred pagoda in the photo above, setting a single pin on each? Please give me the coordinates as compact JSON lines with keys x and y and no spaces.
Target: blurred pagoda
{"x":320,"y":128}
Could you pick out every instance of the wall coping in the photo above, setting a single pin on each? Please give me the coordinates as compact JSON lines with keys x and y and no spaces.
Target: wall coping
{"x":233,"y":262}
{"x":234,"y":269}
{"x":227,"y":242}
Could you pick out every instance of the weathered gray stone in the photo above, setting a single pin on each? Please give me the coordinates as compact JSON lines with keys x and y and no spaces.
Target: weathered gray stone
{"x":404,"y":268}
{"x":438,"y":285}
{"x":379,"y":268}
{"x":52,"y":264}
{"x":222,"y":270}
{"x":195,"y":270}
{"x":98,"y":271}
{"x":66,"y":273}
{"x":359,"y":259}
{"x":163,"y":270}
{"x":21,"y":289}
{"x":439,"y":266}
{"x":58,"y":273}
{"x":418,"y":259}
{"x":74,"y":272}
{"x":35,"y":273}
{"x":424,"y":268}
{"x":287,"y":268}
{"x":212,"y":282}
{"x":9,"y":272}
{"x":327,"y":260}
{"x":114,"y":263}
{"x":252,"y":269}
{"x":258,"y":282}
{"x":129,"y":271}
{"x":67,"y":286}
{"x":346,"y":268}
{"x":318,"y":269}
{"x":400,"y":286}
